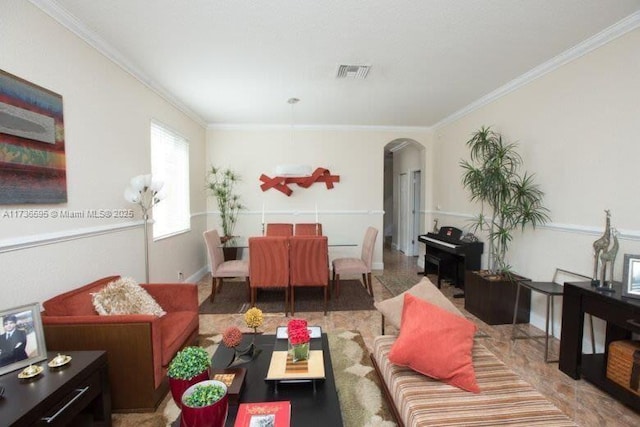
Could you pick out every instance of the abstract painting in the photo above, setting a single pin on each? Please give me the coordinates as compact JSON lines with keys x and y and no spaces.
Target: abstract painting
{"x":32,"y":157}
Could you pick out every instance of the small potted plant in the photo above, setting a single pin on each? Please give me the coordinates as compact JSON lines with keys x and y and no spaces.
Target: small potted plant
{"x":205,"y":404}
{"x":189,"y":366}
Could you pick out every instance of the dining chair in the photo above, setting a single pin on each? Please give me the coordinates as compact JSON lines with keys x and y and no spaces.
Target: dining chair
{"x":279,"y":229}
{"x":220,"y":268}
{"x":309,"y":265}
{"x":362,"y":265}
{"x":309,"y":229}
{"x":269,"y":265}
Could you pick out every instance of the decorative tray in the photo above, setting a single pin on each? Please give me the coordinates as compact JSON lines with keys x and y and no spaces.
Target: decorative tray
{"x":59,"y":360}
{"x":282,"y":367}
{"x":30,"y":371}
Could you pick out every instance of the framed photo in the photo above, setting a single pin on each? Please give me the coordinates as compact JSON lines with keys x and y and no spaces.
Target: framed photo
{"x":631,"y":276}
{"x":21,"y":338}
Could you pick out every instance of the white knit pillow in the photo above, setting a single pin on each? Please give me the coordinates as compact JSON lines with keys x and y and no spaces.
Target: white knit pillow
{"x":125,"y":296}
{"x":391,"y":308}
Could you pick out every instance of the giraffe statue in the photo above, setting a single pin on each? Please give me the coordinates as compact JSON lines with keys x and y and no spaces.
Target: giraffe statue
{"x":601,"y":245}
{"x":609,"y":257}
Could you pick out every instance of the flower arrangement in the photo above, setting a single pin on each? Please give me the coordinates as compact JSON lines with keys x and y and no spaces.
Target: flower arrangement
{"x":254,"y":318}
{"x":188,"y":363}
{"x":299,"y":339}
{"x":231,"y":337}
{"x":298,"y":332}
{"x":204,"y":395}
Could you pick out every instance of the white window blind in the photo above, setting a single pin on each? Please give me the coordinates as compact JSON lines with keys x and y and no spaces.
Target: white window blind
{"x":170,"y":163}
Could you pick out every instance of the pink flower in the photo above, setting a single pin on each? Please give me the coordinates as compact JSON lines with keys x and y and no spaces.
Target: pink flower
{"x":296,"y":324}
{"x":231,"y":337}
{"x":298,"y":332}
{"x":299,"y":336}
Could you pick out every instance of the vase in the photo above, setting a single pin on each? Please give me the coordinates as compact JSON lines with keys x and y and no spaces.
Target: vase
{"x":213,"y":415}
{"x":178,"y":386}
{"x":299,"y":352}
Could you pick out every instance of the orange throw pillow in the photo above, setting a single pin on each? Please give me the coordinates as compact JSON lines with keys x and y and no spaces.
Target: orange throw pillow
{"x":435,"y":343}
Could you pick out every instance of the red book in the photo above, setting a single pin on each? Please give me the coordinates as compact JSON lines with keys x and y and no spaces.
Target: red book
{"x":259,"y":414}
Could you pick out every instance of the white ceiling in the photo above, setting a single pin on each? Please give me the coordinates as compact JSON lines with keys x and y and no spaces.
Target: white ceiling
{"x":236,"y":62}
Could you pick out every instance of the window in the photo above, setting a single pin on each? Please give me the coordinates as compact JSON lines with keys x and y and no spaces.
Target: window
{"x":170,"y":163}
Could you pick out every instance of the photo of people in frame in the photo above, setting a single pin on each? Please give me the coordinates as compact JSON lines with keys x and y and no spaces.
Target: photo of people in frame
{"x":17,"y":341}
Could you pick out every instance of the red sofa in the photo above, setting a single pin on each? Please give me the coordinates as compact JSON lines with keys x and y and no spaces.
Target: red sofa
{"x":139,"y":347}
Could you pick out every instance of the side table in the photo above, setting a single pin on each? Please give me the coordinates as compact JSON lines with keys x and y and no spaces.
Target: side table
{"x":76,"y":393}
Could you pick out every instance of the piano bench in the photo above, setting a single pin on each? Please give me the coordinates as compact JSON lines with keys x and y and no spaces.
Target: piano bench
{"x":439,"y":262}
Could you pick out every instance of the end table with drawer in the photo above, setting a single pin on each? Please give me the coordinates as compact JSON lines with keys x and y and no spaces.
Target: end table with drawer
{"x":75,"y":393}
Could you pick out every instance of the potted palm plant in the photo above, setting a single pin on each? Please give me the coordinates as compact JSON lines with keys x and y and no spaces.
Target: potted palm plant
{"x":189,"y":366}
{"x":509,"y":200}
{"x":221,"y":183}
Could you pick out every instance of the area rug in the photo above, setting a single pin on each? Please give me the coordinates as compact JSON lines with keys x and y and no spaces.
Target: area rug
{"x":233,"y":299}
{"x":398,"y":283}
{"x":361,"y":398}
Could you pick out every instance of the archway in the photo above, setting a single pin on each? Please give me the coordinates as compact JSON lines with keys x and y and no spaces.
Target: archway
{"x":404,"y":194}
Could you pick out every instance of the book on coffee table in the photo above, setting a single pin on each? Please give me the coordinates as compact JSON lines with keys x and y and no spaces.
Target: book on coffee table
{"x":260,"y":414}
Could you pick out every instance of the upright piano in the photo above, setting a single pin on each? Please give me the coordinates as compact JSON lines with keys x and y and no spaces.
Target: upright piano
{"x":454,"y":254}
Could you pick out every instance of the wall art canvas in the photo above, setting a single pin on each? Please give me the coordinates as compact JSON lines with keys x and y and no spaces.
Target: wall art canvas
{"x":32,"y":156}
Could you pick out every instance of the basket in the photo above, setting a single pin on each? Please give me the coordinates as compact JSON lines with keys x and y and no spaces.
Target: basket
{"x":623,"y":365}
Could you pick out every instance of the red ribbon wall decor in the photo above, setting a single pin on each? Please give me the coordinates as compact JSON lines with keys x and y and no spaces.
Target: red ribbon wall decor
{"x":281,"y":183}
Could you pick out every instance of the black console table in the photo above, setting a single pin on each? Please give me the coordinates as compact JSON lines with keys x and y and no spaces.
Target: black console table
{"x":73,"y":394}
{"x":622,"y":316}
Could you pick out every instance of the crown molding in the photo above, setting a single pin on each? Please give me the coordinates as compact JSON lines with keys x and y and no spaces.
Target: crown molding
{"x":339,"y":128}
{"x":605,"y":36}
{"x":54,"y":10}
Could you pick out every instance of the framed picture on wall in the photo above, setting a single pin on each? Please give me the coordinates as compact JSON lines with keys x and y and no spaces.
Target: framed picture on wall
{"x":32,"y":144}
{"x":21,"y":338}
{"x":631,"y":276}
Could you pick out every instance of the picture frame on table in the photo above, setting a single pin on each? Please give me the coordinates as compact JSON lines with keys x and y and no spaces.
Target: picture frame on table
{"x":631,"y":276}
{"x":21,"y":338}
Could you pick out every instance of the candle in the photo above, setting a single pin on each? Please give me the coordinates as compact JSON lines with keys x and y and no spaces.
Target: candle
{"x":262,"y":212}
{"x":316,"y":213}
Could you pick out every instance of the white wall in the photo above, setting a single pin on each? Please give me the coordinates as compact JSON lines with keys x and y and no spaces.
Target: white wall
{"x":577,"y":129}
{"x":405,"y":161}
{"x":345,"y":212}
{"x":107,"y":114}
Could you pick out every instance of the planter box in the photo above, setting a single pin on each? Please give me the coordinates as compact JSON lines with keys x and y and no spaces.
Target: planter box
{"x":492,"y":301}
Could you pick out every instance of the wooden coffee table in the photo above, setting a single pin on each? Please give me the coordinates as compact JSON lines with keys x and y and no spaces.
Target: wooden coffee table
{"x":309,"y":407}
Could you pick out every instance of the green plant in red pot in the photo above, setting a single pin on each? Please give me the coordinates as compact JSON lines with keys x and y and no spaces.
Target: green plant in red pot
{"x":205,"y":404}
{"x":189,"y":366}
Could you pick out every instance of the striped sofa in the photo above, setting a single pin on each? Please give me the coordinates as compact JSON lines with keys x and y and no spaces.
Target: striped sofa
{"x":417,"y":400}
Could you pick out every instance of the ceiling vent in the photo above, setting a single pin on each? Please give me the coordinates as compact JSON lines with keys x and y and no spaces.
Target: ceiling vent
{"x":353,"y":71}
